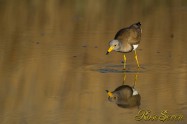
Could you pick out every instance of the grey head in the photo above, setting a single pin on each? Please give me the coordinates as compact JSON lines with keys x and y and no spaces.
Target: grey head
{"x":114,"y":45}
{"x":114,"y":98}
{"x":123,"y":97}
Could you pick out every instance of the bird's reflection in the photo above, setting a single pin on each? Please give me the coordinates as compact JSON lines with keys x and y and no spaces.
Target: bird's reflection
{"x":125,"y":96}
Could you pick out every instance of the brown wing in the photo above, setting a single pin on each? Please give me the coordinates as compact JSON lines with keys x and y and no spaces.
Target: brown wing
{"x":134,"y":36}
{"x":120,"y":35}
{"x":126,"y":47}
{"x":131,"y":34}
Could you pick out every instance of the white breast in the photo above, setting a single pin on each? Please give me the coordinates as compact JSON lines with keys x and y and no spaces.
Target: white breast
{"x":135,"y":92}
{"x":135,"y":46}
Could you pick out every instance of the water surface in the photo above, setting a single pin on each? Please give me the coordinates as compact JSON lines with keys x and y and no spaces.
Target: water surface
{"x":54,"y":69}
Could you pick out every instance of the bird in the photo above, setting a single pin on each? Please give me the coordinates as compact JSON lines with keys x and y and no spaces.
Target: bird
{"x":124,"y":96}
{"x":127,"y":40}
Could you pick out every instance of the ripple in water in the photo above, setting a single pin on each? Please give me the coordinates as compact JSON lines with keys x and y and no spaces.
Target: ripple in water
{"x":115,"y":68}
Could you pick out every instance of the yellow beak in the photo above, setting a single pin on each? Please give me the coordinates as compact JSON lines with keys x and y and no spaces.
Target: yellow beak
{"x":110,"y":49}
{"x":110,"y":94}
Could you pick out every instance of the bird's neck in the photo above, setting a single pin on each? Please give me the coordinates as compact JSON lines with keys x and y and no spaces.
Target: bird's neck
{"x":120,"y":46}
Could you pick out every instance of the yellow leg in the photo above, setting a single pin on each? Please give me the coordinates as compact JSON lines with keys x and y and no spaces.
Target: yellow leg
{"x":135,"y":79}
{"x":124,"y":78}
{"x":125,"y":60}
{"x":136,"y":57}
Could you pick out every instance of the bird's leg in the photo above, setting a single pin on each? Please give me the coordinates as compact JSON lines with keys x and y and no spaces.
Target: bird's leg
{"x":125,"y":59}
{"x":124,"y":78}
{"x":136,"y":57}
{"x":135,"y":79}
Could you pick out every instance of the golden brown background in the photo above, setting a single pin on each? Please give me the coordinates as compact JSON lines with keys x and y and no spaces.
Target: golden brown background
{"x":52,"y":55}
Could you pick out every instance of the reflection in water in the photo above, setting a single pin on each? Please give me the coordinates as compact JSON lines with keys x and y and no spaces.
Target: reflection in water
{"x":125,"y":96}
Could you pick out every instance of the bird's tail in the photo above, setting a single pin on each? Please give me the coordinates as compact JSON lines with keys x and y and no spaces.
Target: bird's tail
{"x":138,"y":24}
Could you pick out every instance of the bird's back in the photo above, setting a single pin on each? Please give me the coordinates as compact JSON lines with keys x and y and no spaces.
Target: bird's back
{"x":124,"y":92}
{"x":131,"y":34}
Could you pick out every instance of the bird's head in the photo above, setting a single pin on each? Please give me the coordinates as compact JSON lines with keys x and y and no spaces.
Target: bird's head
{"x":114,"y":45}
{"x":111,"y":96}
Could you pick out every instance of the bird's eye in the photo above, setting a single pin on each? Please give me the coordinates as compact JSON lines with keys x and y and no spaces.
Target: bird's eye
{"x":115,"y":45}
{"x":114,"y":97}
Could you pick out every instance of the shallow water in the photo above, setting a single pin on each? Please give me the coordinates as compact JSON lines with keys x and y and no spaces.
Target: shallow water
{"x":54,"y":69}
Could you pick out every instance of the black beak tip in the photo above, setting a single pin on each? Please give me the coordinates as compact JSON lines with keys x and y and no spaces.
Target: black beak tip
{"x":107,"y":91}
{"x":107,"y":53}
